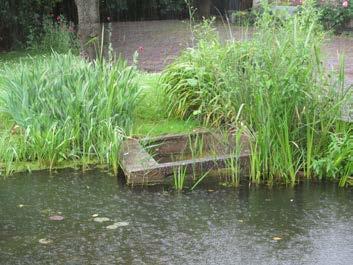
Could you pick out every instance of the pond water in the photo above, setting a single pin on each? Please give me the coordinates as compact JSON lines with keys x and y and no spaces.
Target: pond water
{"x":308,"y":224}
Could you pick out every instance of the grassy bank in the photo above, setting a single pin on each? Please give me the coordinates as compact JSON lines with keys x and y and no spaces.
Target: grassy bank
{"x":150,"y":116}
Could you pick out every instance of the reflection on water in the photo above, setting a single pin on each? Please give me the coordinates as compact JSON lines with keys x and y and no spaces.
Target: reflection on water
{"x":225,"y":226}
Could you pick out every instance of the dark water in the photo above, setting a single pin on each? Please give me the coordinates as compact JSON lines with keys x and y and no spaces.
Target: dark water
{"x":223,"y":226}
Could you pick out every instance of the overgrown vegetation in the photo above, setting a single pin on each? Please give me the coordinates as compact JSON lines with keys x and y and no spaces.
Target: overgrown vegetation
{"x":274,"y":84}
{"x":64,"y":109}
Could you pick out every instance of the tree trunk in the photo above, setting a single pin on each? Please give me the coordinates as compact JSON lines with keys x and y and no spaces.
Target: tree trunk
{"x":204,"y":7}
{"x":88,"y":26}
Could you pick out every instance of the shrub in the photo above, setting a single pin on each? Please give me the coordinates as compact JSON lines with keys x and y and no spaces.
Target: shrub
{"x":274,"y":83}
{"x":19,"y":18}
{"x":66,"y":109}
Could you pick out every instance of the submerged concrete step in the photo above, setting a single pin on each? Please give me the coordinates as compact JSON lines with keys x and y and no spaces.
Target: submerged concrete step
{"x":151,"y":160}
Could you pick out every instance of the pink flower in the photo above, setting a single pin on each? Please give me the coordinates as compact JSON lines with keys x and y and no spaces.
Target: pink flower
{"x":141,"y":49}
{"x":345,"y":3}
{"x":58,"y":18}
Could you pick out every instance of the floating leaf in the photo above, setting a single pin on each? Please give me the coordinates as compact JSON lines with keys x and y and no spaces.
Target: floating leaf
{"x":117,"y":225}
{"x":95,"y":215}
{"x":45,"y":241}
{"x":276,"y":238}
{"x":56,"y":218}
{"x":112,"y":227}
{"x":101,"y":219}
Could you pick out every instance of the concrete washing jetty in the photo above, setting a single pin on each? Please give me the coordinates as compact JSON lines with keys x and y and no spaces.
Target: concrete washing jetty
{"x":151,"y":160}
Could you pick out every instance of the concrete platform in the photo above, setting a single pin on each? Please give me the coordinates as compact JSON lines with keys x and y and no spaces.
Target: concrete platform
{"x":151,"y":160}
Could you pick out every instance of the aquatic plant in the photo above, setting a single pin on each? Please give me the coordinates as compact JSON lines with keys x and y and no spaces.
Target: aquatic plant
{"x":66,"y":109}
{"x":276,"y":78}
{"x":179,"y":177}
{"x":233,"y":163}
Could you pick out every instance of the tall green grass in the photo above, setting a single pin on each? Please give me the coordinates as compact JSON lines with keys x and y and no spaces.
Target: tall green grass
{"x":64,"y":109}
{"x":274,"y":83}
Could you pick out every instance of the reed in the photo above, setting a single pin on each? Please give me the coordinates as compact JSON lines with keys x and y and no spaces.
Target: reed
{"x":274,"y":83}
{"x":234,"y":163}
{"x":179,"y":177}
{"x":66,"y":109}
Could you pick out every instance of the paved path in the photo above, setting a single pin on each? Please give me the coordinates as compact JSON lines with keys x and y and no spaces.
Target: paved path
{"x":162,"y":41}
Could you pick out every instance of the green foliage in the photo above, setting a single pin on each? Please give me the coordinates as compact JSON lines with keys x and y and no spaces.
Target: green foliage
{"x":334,"y":16}
{"x":65,"y":109}
{"x":273,"y":83}
{"x":337,"y":161}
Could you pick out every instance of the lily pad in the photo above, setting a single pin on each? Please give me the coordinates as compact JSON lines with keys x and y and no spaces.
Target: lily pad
{"x":101,"y":219}
{"x":56,"y":218}
{"x":117,"y":225}
{"x":45,"y":241}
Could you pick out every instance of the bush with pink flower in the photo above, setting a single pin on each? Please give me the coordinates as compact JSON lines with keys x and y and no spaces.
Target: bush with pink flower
{"x":336,"y":15}
{"x":57,"y":34}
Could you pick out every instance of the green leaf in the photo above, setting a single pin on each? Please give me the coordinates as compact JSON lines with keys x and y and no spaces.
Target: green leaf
{"x":192,"y":82}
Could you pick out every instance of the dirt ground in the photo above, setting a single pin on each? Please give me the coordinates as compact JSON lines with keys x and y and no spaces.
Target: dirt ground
{"x":160,"y":42}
